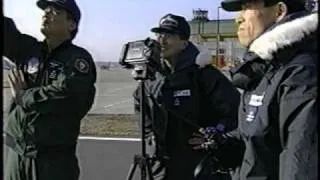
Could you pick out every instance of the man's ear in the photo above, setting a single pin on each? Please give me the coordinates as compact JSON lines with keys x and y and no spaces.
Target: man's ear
{"x":281,"y":10}
{"x":73,"y":26}
{"x":186,"y":44}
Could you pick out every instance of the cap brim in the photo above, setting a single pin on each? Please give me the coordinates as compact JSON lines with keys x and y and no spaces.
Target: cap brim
{"x":231,"y":5}
{"x":163,"y":29}
{"x":42,"y":4}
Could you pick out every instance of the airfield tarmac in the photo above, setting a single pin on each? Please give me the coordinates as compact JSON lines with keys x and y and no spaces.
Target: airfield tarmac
{"x":113,"y":95}
{"x":114,"y":92}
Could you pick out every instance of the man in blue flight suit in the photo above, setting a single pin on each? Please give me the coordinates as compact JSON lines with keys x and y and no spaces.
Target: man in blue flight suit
{"x":53,"y":89}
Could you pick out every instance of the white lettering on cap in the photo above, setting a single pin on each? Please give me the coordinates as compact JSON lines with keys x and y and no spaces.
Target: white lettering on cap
{"x":168,"y":21}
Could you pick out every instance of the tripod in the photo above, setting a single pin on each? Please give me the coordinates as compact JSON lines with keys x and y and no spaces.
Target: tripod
{"x":141,"y":160}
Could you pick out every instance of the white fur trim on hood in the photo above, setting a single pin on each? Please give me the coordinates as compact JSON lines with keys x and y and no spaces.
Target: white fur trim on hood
{"x":204,"y":57}
{"x":284,"y":35}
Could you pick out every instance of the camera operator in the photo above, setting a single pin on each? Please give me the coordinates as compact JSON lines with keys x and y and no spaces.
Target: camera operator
{"x":187,"y":90}
{"x":52,"y":89}
{"x":278,"y":117}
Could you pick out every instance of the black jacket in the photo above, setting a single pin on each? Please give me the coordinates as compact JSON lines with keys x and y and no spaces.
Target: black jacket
{"x":60,"y":93}
{"x":202,"y":95}
{"x":278,"y":111}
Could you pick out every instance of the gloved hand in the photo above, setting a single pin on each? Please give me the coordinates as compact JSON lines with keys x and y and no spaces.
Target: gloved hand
{"x":207,"y":138}
{"x":200,"y":142}
{"x":225,"y":151}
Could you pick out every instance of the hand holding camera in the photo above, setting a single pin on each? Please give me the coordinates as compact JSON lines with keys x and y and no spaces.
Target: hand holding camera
{"x":220,"y":151}
{"x":223,"y":152}
{"x":208,"y":138}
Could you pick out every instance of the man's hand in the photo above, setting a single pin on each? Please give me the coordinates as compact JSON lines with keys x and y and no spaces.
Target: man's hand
{"x":17,"y":83}
{"x":200,"y":142}
{"x":207,"y":138}
{"x":196,"y":141}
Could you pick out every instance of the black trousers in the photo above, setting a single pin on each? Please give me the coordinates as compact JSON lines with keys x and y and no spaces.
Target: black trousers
{"x":46,"y":166}
{"x":180,"y":169}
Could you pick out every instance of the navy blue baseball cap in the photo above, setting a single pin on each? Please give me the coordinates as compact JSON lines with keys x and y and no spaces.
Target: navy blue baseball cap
{"x":235,"y":5}
{"x":68,"y":5}
{"x":175,"y":24}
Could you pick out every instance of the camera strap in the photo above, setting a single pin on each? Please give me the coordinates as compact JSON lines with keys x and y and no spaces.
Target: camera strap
{"x":164,"y":107}
{"x":195,"y":75}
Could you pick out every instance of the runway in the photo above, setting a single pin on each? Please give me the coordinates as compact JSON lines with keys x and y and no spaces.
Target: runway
{"x":107,"y":159}
{"x":113,"y":95}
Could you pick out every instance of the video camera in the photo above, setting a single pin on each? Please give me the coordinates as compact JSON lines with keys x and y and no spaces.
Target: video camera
{"x":146,"y":51}
{"x":144,"y":56}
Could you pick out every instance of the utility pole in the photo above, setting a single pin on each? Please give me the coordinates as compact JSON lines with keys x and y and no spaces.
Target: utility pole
{"x":218,"y":36}
{"x":200,"y":16}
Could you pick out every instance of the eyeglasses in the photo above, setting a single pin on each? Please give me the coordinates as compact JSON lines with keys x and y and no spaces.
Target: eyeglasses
{"x":165,"y":34}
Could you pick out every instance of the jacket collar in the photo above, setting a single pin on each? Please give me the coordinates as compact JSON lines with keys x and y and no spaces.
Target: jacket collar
{"x":291,"y":30}
{"x":193,"y":55}
{"x":278,"y":42}
{"x":45,"y":51}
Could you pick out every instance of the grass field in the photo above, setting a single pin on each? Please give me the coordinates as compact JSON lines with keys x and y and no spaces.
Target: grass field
{"x":111,"y":125}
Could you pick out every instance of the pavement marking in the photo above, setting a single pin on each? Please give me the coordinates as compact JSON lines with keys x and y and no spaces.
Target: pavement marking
{"x":117,"y":103}
{"x":122,"y":88}
{"x":101,"y":138}
{"x":116,"y":90}
{"x":107,"y":138}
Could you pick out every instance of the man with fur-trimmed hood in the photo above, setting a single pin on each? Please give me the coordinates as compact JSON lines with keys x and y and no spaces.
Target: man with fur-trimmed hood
{"x":278,"y":110}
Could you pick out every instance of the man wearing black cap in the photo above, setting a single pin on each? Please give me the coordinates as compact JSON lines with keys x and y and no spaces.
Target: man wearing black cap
{"x":278,"y":112}
{"x":187,"y":91}
{"x":52,"y":89}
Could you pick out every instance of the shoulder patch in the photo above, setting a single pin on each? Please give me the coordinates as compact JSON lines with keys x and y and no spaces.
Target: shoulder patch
{"x":82,"y":65}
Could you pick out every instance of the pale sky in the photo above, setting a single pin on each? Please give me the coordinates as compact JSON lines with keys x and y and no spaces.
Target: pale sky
{"x":106,"y":25}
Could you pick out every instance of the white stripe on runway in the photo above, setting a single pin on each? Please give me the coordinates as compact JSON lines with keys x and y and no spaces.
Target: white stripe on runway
{"x":107,"y":138}
{"x":117,"y":103}
{"x":101,"y":138}
{"x":120,"y":89}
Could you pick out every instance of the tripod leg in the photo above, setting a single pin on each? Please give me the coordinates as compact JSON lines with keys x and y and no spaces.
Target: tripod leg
{"x":149,"y":170}
{"x":143,"y":172}
{"x":131,"y":171}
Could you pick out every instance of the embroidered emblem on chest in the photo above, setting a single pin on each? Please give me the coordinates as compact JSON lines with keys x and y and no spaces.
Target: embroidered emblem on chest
{"x":180,"y":94}
{"x":54,"y":69}
{"x":253,"y":105}
{"x":33,"y":65}
{"x":176,"y":102}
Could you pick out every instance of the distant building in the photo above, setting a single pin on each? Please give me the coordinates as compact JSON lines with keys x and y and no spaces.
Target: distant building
{"x":206,"y":32}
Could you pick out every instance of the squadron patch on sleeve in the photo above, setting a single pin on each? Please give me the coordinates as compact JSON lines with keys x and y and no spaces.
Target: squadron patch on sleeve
{"x":82,"y":65}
